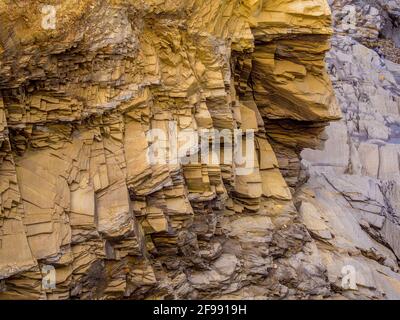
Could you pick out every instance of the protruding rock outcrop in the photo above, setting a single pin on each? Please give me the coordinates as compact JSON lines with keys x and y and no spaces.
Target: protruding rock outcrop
{"x":79,"y":103}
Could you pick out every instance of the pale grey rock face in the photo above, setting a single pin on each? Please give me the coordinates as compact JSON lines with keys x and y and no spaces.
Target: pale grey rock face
{"x":366,"y":20}
{"x":351,"y":202}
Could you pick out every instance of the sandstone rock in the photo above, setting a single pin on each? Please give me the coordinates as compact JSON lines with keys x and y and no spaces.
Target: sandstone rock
{"x":84,"y":105}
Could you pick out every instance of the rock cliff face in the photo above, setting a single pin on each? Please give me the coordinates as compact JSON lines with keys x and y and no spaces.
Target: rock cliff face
{"x":350,"y":204}
{"x":82,"y":95}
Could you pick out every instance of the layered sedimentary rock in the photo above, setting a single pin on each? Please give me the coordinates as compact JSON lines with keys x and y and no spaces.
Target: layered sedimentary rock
{"x":350,"y":204}
{"x":80,"y":102}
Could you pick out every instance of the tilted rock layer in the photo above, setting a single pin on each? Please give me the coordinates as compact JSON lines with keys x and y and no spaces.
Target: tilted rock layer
{"x":78,"y":193}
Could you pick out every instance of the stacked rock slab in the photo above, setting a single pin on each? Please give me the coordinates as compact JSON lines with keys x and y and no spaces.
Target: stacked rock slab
{"x":77,"y":190}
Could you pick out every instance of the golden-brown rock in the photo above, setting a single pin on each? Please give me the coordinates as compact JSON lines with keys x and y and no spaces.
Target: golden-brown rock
{"x":77,"y":104}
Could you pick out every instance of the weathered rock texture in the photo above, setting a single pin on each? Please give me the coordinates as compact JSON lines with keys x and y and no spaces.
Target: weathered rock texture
{"x":77,"y":191}
{"x":351,"y":203}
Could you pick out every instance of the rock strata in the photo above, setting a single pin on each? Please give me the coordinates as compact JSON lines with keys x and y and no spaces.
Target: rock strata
{"x":79,"y":194}
{"x":80,"y":108}
{"x":350,"y":204}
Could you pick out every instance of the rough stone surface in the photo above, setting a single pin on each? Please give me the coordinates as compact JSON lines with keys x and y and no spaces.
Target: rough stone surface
{"x":77,"y":189}
{"x":350,"y":204}
{"x":78,"y":104}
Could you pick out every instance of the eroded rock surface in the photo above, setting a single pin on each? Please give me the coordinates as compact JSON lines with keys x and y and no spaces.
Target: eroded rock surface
{"x":350,"y":204}
{"x":77,"y":190}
